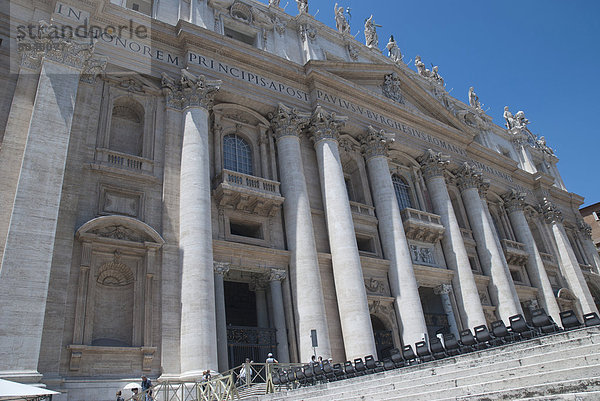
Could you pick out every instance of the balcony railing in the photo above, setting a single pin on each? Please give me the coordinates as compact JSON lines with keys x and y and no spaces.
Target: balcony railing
{"x":514,"y":252}
{"x":124,"y":161}
{"x":422,"y":226}
{"x":248,"y":193}
{"x":362,"y":209}
{"x":235,"y":179}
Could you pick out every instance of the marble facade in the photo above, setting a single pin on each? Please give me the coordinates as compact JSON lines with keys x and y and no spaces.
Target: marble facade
{"x":358,"y":190}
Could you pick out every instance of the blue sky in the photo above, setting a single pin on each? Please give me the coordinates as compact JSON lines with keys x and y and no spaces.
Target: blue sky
{"x":542,"y":57}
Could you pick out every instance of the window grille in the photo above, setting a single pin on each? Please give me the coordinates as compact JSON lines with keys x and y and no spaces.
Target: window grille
{"x":402,"y":192}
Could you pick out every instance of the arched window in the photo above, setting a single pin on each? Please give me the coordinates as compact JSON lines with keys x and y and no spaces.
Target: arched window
{"x":402,"y":192}
{"x":127,"y":127}
{"x":237,"y":154}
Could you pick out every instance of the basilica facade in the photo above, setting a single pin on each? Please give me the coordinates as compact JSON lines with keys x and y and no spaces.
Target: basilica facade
{"x":202,"y":181}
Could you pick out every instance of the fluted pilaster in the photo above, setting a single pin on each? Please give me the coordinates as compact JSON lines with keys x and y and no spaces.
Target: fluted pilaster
{"x":50,"y":70}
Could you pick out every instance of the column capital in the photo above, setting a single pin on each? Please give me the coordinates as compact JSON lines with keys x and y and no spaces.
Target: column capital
{"x":325,"y":125}
{"x":443,"y":289}
{"x":49,"y":43}
{"x":221,"y":267}
{"x":189,"y":90}
{"x":514,"y":200}
{"x":551,"y":212}
{"x":375,"y":143}
{"x":469,"y":176}
{"x":433,"y":163}
{"x":584,"y":228}
{"x":258,"y":283}
{"x":277,"y":275}
{"x":288,"y":121}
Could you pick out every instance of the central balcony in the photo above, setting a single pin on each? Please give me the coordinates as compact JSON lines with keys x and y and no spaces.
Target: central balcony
{"x":247,"y":193}
{"x":422,"y":226}
{"x":514,"y":252}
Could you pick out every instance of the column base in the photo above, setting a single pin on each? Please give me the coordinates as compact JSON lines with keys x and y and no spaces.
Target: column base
{"x":191,"y":376}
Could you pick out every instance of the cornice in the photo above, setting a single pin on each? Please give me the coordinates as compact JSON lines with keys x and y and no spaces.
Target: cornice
{"x":319,"y":70}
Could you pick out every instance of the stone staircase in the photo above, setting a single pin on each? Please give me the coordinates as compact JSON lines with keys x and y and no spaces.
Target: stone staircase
{"x":563,"y":366}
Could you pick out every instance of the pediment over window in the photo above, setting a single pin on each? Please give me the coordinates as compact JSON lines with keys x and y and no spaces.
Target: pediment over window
{"x":120,"y":228}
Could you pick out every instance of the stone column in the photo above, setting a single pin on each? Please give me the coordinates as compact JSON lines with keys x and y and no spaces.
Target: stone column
{"x":465,"y":289}
{"x":262,"y":316}
{"x":444,"y":292}
{"x":221,"y":268}
{"x":275,"y":279}
{"x":568,"y":261}
{"x":493,"y":262}
{"x":403,"y":283}
{"x":304,"y":266}
{"x":347,"y":271}
{"x":31,"y":204}
{"x":513,"y":202}
{"x":194,"y":95}
{"x":585,"y":232}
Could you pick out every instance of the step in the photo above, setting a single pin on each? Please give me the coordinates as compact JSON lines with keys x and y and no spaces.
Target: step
{"x":485,"y":390}
{"x":431,"y":374}
{"x":582,"y":396}
{"x":474,"y":379}
{"x":457,"y":377}
{"x":562,"y":390}
{"x":479,"y":358}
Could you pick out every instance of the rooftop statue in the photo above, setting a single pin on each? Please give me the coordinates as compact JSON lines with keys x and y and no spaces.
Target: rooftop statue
{"x":474,"y":99}
{"x":274,"y":3}
{"x":436,"y":76}
{"x":520,"y":120}
{"x":371,"y":39}
{"x":509,"y":118}
{"x":341,"y":23}
{"x":302,"y":6}
{"x":393,"y":50}
{"x":541,"y":143}
{"x":424,"y":72}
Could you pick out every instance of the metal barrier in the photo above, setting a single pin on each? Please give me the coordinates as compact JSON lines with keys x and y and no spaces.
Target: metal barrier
{"x":248,"y":378}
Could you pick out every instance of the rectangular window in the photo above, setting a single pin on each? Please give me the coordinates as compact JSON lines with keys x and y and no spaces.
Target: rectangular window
{"x":365,"y":244}
{"x":246,"y":229}
{"x":135,"y":7}
{"x":516,"y":276}
{"x":242,"y":37}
